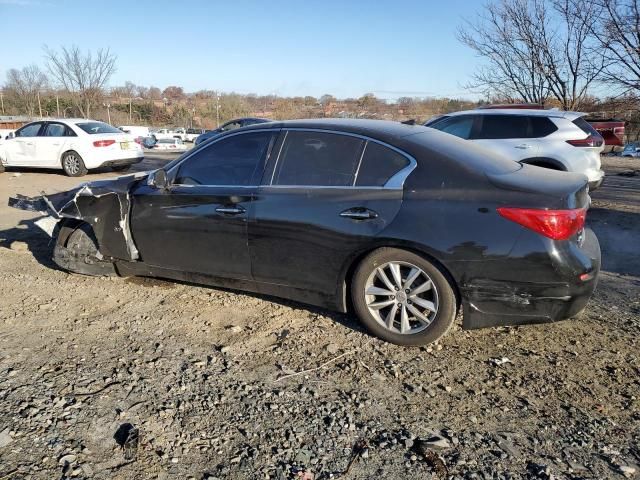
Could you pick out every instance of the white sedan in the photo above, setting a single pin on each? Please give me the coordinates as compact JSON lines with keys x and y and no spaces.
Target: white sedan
{"x":174,"y":144}
{"x":73,"y":145}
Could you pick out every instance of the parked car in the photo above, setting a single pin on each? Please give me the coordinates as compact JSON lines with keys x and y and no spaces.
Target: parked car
{"x":231,"y":125}
{"x":547,"y":138}
{"x":170,"y":144}
{"x":73,"y":145}
{"x":631,"y":150}
{"x":404,"y":223}
{"x":136,"y":130}
{"x":611,"y":129}
{"x":180,"y":133}
{"x":193,"y":133}
{"x":163,"y":133}
{"x":149,"y":142}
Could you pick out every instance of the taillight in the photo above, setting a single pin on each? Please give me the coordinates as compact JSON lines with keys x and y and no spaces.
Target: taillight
{"x":103,"y":143}
{"x":555,"y":224}
{"x":590,"y":141}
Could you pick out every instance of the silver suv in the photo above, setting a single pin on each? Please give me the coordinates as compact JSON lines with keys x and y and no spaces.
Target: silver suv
{"x":546,"y":138}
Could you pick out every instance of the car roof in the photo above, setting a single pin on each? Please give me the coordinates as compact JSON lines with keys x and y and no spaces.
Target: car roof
{"x":519,"y":111}
{"x":380,"y":129}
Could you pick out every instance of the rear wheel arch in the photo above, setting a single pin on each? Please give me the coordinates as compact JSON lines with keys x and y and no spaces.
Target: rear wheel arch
{"x":348,"y":272}
{"x":545,"y":162}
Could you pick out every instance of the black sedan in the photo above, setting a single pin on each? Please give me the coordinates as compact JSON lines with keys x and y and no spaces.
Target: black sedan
{"x":403,"y":225}
{"x":227,"y":127}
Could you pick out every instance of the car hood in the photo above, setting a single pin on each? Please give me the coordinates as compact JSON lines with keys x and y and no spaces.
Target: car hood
{"x":103,"y":204}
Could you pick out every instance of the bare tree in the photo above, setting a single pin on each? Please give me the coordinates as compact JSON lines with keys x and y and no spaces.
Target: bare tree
{"x":23,"y":87}
{"x":503,"y":39}
{"x":83,"y":75}
{"x":535,"y":49}
{"x":615,"y":24}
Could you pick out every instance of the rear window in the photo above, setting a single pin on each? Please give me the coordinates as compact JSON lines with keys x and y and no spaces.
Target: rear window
{"x":94,"y":128}
{"x":585,"y":126}
{"x":378,"y":165}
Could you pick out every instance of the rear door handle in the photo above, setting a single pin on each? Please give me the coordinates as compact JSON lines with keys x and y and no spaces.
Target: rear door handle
{"x":359,"y":213}
{"x":523,"y":146}
{"x":236,"y":210}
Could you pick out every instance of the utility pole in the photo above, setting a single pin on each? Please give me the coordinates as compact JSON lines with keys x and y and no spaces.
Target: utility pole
{"x":108,"y":105}
{"x":39,"y":105}
{"x":2,"y":101}
{"x":58,"y":104}
{"x":217,"y":109}
{"x":129,"y":111}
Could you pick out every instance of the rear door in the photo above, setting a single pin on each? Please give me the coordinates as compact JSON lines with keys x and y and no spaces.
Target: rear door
{"x":324,"y":196}
{"x":510,"y":135}
{"x":52,"y":142}
{"x":199,"y":224}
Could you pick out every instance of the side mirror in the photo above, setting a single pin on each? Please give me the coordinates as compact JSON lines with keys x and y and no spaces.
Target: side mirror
{"x":158,"y":179}
{"x":11,"y":135}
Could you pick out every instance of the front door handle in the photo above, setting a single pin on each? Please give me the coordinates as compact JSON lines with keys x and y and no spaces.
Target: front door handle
{"x":234,"y":210}
{"x":523,"y":146}
{"x":359,"y":213}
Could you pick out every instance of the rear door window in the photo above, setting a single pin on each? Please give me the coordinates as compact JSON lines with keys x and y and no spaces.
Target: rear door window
{"x":58,"y":130}
{"x":541,"y":127}
{"x":378,"y":165}
{"x":503,"y":127}
{"x":234,"y":160}
{"x":318,"y":158}
{"x":460,"y":126}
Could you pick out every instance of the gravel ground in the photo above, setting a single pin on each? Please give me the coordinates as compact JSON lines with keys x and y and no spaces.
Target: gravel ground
{"x":139,"y":378}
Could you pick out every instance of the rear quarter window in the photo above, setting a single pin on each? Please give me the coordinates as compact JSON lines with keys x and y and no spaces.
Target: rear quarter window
{"x":379,"y":164}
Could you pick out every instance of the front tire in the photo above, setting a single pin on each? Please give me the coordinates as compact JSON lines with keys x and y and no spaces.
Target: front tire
{"x":403,"y":298}
{"x":73,"y":165}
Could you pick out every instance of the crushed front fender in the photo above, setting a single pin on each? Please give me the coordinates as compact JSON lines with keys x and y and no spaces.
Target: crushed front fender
{"x":104,"y":204}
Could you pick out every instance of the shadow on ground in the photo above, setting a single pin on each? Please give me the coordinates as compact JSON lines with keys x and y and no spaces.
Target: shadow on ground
{"x":618,"y":234}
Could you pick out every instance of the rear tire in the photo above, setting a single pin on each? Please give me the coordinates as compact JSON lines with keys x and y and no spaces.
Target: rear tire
{"x":73,"y":165}
{"x":403,"y":298}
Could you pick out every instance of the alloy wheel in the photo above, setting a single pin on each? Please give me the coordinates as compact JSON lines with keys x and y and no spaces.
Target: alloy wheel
{"x":72,"y":164}
{"x":401,"y":297}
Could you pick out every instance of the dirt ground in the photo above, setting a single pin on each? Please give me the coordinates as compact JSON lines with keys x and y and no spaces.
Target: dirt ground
{"x":219,"y":384}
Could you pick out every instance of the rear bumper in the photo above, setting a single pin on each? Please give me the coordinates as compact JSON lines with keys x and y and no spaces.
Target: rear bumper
{"x":489,"y":302}
{"x":595,"y":184}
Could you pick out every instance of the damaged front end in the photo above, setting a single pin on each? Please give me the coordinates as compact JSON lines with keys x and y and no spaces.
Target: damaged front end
{"x":103,"y":205}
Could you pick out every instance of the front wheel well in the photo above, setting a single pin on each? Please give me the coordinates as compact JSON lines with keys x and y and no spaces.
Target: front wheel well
{"x":347,"y":278}
{"x":545,"y":162}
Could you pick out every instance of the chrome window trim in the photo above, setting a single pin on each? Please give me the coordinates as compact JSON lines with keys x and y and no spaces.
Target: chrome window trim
{"x":395,"y":182}
{"x":173,"y":169}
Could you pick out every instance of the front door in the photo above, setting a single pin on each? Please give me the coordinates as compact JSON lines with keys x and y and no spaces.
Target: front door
{"x":199,"y":223}
{"x":21,"y":150}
